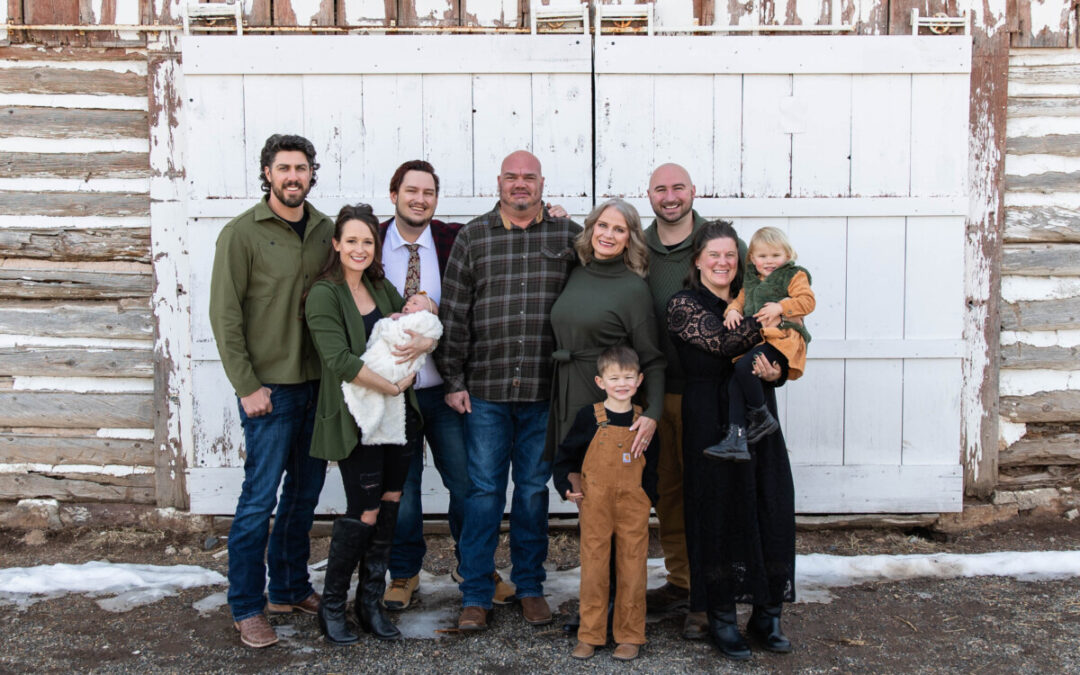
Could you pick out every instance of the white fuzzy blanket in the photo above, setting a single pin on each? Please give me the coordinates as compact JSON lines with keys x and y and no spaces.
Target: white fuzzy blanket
{"x":381,"y":417}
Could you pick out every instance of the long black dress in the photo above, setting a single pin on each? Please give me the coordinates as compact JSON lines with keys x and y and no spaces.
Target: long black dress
{"x":740,"y":517}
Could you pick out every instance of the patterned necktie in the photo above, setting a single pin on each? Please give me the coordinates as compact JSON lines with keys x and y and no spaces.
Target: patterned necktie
{"x":412,"y":274}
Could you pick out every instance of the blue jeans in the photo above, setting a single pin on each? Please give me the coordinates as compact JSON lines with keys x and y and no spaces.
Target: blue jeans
{"x":501,"y":435}
{"x":277,"y":444}
{"x":444,"y":429}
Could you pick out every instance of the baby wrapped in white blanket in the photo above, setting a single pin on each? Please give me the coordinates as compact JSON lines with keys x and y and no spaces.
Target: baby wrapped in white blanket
{"x":382,"y":417}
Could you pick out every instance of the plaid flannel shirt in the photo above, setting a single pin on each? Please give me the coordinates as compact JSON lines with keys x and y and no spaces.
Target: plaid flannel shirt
{"x":498,"y":291}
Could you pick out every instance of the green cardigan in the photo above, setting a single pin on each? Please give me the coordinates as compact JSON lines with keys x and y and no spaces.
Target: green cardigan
{"x":337,"y":329}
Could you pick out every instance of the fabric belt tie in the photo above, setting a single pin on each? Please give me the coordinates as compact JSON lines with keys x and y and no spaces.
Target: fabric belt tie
{"x":561,"y":378}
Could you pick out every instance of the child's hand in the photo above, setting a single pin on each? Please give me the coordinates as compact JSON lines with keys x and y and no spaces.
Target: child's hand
{"x":575,"y":497}
{"x":732,"y":319}
{"x":769,"y":314}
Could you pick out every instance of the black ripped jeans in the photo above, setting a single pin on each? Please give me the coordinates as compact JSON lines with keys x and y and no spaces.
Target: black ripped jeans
{"x":371,"y":470}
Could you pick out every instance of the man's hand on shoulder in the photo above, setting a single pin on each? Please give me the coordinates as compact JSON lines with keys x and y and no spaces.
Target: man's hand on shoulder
{"x":257,"y":403}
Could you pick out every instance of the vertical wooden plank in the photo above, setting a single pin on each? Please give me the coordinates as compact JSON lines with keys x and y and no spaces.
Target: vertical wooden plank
{"x":873,"y":411}
{"x":448,"y":132}
{"x":273,"y":104}
{"x":562,"y":131}
{"x":934,"y":279}
{"x":900,"y":13}
{"x":931,"y":411}
{"x":821,"y":244}
{"x":303,"y":12}
{"x":202,"y":239}
{"x":493,"y":13}
{"x":173,"y":421}
{"x":218,"y":439}
{"x":212,"y":110}
{"x":393,"y":128}
{"x":624,"y":135}
{"x":727,"y":135}
{"x":366,"y":12}
{"x":429,"y":13}
{"x":870,"y":17}
{"x":679,"y":136}
{"x":821,"y":148}
{"x":38,"y":12}
{"x":1043,"y":23}
{"x":939,"y":140}
{"x":766,"y":146}
{"x":814,"y":428}
{"x":880,"y":160}
{"x":333,"y":118}
{"x":4,"y":11}
{"x":502,"y":120}
{"x":679,"y":13}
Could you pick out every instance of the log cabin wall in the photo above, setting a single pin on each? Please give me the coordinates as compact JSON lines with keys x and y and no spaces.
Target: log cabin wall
{"x":1040,"y":312}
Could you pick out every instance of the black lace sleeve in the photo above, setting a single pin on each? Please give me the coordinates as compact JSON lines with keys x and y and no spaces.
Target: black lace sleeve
{"x":695,"y":324}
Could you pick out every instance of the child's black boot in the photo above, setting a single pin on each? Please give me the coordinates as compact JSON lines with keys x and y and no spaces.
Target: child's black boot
{"x":732,"y":448}
{"x":761,"y":423}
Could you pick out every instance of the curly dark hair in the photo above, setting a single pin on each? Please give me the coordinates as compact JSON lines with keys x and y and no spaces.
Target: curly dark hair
{"x":276,"y":144}
{"x":714,"y":229}
{"x":412,"y":165}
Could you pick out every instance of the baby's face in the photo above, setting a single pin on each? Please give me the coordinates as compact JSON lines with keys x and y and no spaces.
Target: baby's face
{"x":416,"y":303}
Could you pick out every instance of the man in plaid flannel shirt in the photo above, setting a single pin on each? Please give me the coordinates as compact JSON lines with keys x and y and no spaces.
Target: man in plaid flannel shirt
{"x":505,"y":271}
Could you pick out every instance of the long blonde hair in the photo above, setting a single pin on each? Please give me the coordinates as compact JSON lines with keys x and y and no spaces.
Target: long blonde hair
{"x":636,"y":255}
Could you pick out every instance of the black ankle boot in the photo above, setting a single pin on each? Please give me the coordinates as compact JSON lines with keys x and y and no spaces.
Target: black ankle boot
{"x":732,"y":448}
{"x":346,"y":548}
{"x":724,"y":630}
{"x":761,"y":423}
{"x":764,"y":628}
{"x":373,"y":576}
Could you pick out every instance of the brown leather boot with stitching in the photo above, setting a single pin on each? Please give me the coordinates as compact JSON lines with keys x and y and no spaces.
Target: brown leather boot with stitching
{"x":473,"y":619}
{"x":309,"y":605}
{"x":256,"y":631}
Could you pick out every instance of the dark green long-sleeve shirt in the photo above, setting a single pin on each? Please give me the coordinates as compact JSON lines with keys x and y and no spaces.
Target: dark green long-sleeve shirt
{"x":261,"y":270}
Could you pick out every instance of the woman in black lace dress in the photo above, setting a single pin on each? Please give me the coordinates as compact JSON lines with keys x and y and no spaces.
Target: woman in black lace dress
{"x":740,"y":517}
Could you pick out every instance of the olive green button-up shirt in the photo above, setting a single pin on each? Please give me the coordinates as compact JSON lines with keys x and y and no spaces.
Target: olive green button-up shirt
{"x":261,"y":270}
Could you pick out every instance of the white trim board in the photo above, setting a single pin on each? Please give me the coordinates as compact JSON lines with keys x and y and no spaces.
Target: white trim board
{"x":783,"y":54}
{"x":818,"y":489}
{"x":385,"y":54}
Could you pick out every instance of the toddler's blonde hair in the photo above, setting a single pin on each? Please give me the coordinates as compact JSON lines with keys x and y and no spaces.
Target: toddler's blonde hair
{"x":774,"y":237}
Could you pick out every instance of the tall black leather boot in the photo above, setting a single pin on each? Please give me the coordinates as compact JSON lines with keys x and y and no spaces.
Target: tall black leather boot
{"x":724,"y":630}
{"x":373,"y":576}
{"x":764,"y":628}
{"x":732,"y":448}
{"x":347,"y":546}
{"x":760,"y":423}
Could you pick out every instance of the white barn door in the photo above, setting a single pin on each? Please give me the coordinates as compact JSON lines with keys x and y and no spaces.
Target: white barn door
{"x":367,"y":103}
{"x":857,"y":148}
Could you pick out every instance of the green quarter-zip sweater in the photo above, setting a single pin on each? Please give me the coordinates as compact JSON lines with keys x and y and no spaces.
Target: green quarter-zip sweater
{"x":261,"y":270}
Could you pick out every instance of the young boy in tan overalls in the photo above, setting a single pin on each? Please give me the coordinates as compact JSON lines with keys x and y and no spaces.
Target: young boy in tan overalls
{"x":613,"y":490}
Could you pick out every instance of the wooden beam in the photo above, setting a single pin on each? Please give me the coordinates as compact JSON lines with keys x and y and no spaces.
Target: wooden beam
{"x":1045,"y":406}
{"x":1044,"y":451}
{"x":39,"y":122}
{"x":1042,"y":223}
{"x":97,"y":320}
{"x":34,"y":53}
{"x":1065,"y":145}
{"x":28,"y":284}
{"x":1057,"y":314}
{"x":1047,"y":182}
{"x":1020,"y":106}
{"x":1044,"y":74}
{"x":53,"y":80}
{"x":19,"y":448}
{"x":75,"y":486}
{"x":1017,"y":478}
{"x":75,"y":410}
{"x":102,"y":204}
{"x":1040,"y":260}
{"x":1053,"y":34}
{"x":1026,"y":356}
{"x":82,"y":165}
{"x":78,"y":362}
{"x":113,"y":244}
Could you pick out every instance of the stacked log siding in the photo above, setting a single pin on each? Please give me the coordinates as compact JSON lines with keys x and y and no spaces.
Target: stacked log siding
{"x":76,"y":333}
{"x":1040,"y":341}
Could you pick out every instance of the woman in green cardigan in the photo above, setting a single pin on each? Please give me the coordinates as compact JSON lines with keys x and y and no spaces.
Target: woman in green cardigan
{"x":348,"y":297}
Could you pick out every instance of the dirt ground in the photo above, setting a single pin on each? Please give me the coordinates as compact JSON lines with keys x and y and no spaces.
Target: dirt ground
{"x":974,"y":625}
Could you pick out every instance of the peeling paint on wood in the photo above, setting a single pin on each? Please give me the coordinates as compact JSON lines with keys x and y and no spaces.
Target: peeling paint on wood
{"x":1066,"y":145}
{"x":139,"y":489}
{"x":1047,"y":406}
{"x":1042,"y":23}
{"x":131,"y":244}
{"x":72,"y":285}
{"x":67,"y":409}
{"x":68,"y":165}
{"x":69,"y":362}
{"x":73,"y":204}
{"x":53,"y":80}
{"x":38,"y":122}
{"x":1042,"y":223}
{"x":1022,"y":355}
{"x":1040,"y":260}
{"x":91,"y":320}
{"x":1061,"y":314}
{"x":24,"y":447}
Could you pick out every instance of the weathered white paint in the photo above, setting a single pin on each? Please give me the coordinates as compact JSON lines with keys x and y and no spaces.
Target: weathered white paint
{"x":1044,"y":126}
{"x":1024,"y":382}
{"x":1010,"y":432}
{"x":1026,"y":165}
{"x":1048,"y":15}
{"x":72,"y":222}
{"x":493,"y":12}
{"x":306,"y":11}
{"x":132,"y":185}
{"x":90,"y":266}
{"x":100,"y":469}
{"x":7,"y":341}
{"x":1042,"y":338}
{"x":363,"y":12}
{"x":1021,"y":199}
{"x":1043,"y":57}
{"x":83,"y":145}
{"x":103,"y":102}
{"x":82,"y":384}
{"x":126,"y":434}
{"x":1017,"y":288}
{"x":137,"y":67}
{"x":3,"y":20}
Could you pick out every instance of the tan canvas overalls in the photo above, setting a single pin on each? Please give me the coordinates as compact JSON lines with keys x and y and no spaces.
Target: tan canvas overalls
{"x":614,"y":504}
